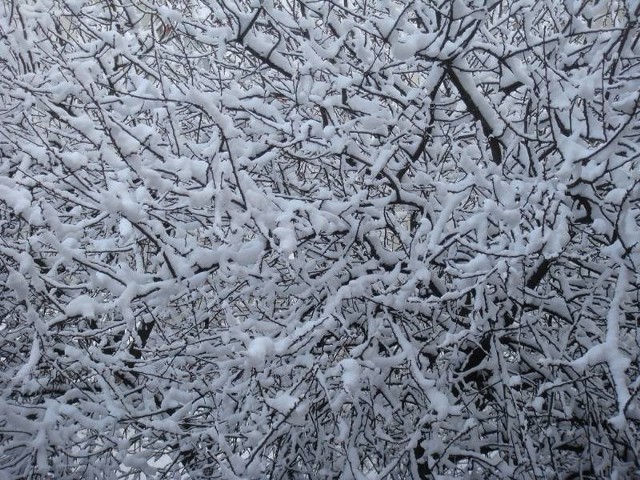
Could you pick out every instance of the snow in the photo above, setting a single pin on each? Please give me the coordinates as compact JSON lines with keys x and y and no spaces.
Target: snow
{"x":537,"y":404}
{"x":616,"y":195}
{"x":283,"y":403}
{"x":272,"y":234}
{"x":258,"y":351}
{"x":515,"y":381}
{"x":74,"y":160}
{"x":286,"y":239}
{"x":609,"y":351}
{"x":249,"y":253}
{"x":18,"y":284}
{"x":126,"y":229}
{"x":599,"y":226}
{"x":18,"y":199}
{"x":351,"y":373}
{"x":34,"y":357}
{"x":82,"y":305}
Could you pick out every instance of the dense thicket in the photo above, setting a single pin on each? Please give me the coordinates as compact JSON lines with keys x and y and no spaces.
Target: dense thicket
{"x":317,"y":239}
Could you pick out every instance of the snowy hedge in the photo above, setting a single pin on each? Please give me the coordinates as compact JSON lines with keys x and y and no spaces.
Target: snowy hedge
{"x":315,"y":239}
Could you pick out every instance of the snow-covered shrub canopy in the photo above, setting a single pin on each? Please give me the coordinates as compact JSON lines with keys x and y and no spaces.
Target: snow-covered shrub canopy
{"x":319,"y":239}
